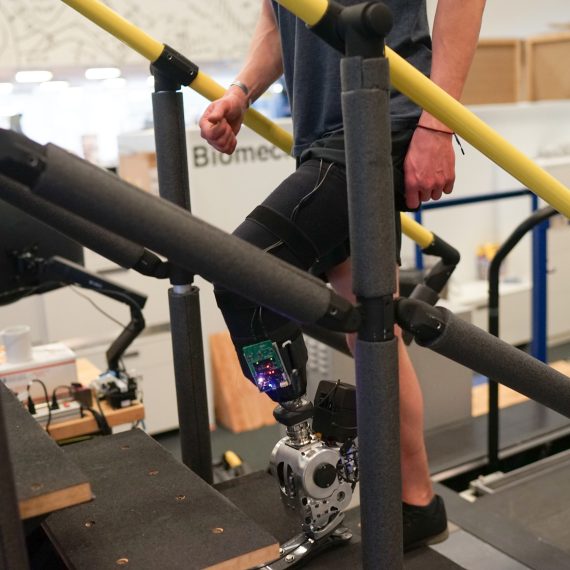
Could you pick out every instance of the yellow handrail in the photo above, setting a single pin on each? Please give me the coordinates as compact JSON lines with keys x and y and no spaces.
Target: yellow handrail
{"x":436,"y":101}
{"x":412,"y":83}
{"x":151,"y":49}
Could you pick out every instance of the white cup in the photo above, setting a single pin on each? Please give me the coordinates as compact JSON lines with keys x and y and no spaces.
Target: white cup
{"x":17,"y":343}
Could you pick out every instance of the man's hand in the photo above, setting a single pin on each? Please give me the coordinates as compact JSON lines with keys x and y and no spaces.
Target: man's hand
{"x":222,"y":121}
{"x":429,"y":167}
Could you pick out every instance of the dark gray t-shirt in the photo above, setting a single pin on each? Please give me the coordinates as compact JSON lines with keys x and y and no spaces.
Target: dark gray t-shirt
{"x":312,"y":70}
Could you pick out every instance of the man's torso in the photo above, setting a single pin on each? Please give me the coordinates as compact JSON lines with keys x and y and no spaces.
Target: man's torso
{"x":312,"y":70}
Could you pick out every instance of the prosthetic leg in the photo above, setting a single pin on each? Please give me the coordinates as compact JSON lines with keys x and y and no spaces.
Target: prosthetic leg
{"x":316,"y":463}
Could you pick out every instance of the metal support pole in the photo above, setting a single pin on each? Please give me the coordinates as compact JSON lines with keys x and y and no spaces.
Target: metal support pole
{"x":187,"y":347}
{"x":418,"y":250}
{"x":13,"y":553}
{"x":539,"y":292}
{"x":365,"y":101}
{"x":537,"y":219}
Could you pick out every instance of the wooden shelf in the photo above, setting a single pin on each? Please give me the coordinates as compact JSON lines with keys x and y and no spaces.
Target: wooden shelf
{"x":87,"y":425}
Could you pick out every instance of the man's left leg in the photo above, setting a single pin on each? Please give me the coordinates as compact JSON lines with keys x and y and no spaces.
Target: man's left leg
{"x":424,"y":513}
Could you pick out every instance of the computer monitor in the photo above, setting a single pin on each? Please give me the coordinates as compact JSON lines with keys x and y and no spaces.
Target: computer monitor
{"x":21,"y":233}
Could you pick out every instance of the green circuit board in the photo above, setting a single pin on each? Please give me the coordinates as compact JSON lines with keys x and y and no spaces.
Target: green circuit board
{"x":266,"y":366}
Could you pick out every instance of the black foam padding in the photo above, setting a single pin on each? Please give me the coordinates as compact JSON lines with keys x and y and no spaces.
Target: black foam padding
{"x":152,"y":511}
{"x":185,"y":240}
{"x":40,"y":466}
{"x":480,"y":351}
{"x":171,"y":158}
{"x":365,"y":106}
{"x":190,"y":377}
{"x":377,"y":394}
{"x":119,"y":250}
{"x":170,"y":139}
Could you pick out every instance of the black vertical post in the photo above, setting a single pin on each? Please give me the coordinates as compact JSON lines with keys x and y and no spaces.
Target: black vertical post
{"x":13,"y":553}
{"x":493,"y":418}
{"x":184,"y":302}
{"x":365,"y":105}
{"x":493,"y":435}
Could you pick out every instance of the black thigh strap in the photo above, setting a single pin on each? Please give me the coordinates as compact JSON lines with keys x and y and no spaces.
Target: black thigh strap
{"x":289,"y":233}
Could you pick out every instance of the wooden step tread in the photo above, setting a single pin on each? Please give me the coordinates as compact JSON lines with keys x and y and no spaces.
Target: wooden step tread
{"x":151,"y":512}
{"x":46,"y":480}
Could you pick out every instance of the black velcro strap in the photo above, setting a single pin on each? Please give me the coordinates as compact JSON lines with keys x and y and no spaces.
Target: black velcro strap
{"x":285,"y":230}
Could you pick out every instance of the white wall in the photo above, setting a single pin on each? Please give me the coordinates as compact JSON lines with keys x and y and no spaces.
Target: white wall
{"x":49,"y":33}
{"x":93,"y":110}
{"x":38,"y":31}
{"x":519,"y":18}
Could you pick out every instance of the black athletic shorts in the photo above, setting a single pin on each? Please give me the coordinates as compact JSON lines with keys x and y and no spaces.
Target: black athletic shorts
{"x":314,"y":198}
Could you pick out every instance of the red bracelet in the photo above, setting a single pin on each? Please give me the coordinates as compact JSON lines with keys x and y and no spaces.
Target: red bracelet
{"x":453,"y":134}
{"x":436,"y":130}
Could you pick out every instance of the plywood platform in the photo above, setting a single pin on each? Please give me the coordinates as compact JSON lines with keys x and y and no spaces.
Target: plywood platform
{"x":152,"y":512}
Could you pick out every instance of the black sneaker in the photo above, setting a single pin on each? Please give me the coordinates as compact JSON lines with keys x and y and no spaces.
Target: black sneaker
{"x":424,"y":525}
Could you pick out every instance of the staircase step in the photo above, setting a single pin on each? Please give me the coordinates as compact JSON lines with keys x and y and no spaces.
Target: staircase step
{"x":46,"y":479}
{"x":151,"y":512}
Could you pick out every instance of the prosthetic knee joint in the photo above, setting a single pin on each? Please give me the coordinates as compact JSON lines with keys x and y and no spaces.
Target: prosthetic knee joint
{"x":316,"y":463}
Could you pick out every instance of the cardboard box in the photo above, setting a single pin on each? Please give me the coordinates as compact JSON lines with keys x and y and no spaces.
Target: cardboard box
{"x":53,"y":364}
{"x":511,"y":70}
{"x":547,"y":75}
{"x":140,"y":170}
{"x":496,"y":73}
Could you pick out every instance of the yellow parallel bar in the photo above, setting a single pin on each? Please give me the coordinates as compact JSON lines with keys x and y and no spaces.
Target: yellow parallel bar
{"x":282,"y":139}
{"x":119,"y":27}
{"x":408,"y":80}
{"x":416,"y":232}
{"x":436,"y":101}
{"x":310,"y":12}
{"x":151,"y":49}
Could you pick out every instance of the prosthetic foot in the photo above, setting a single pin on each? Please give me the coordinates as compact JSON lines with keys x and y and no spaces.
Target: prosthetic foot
{"x":317,"y":469}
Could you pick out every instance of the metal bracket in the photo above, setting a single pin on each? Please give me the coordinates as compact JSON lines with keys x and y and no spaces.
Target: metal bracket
{"x":300,"y":548}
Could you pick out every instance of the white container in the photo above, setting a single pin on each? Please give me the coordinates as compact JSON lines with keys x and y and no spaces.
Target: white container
{"x":17,"y":343}
{"x":53,"y":364}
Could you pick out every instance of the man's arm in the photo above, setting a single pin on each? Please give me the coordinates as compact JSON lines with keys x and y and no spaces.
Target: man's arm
{"x":429,"y":167}
{"x":223,"y":118}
